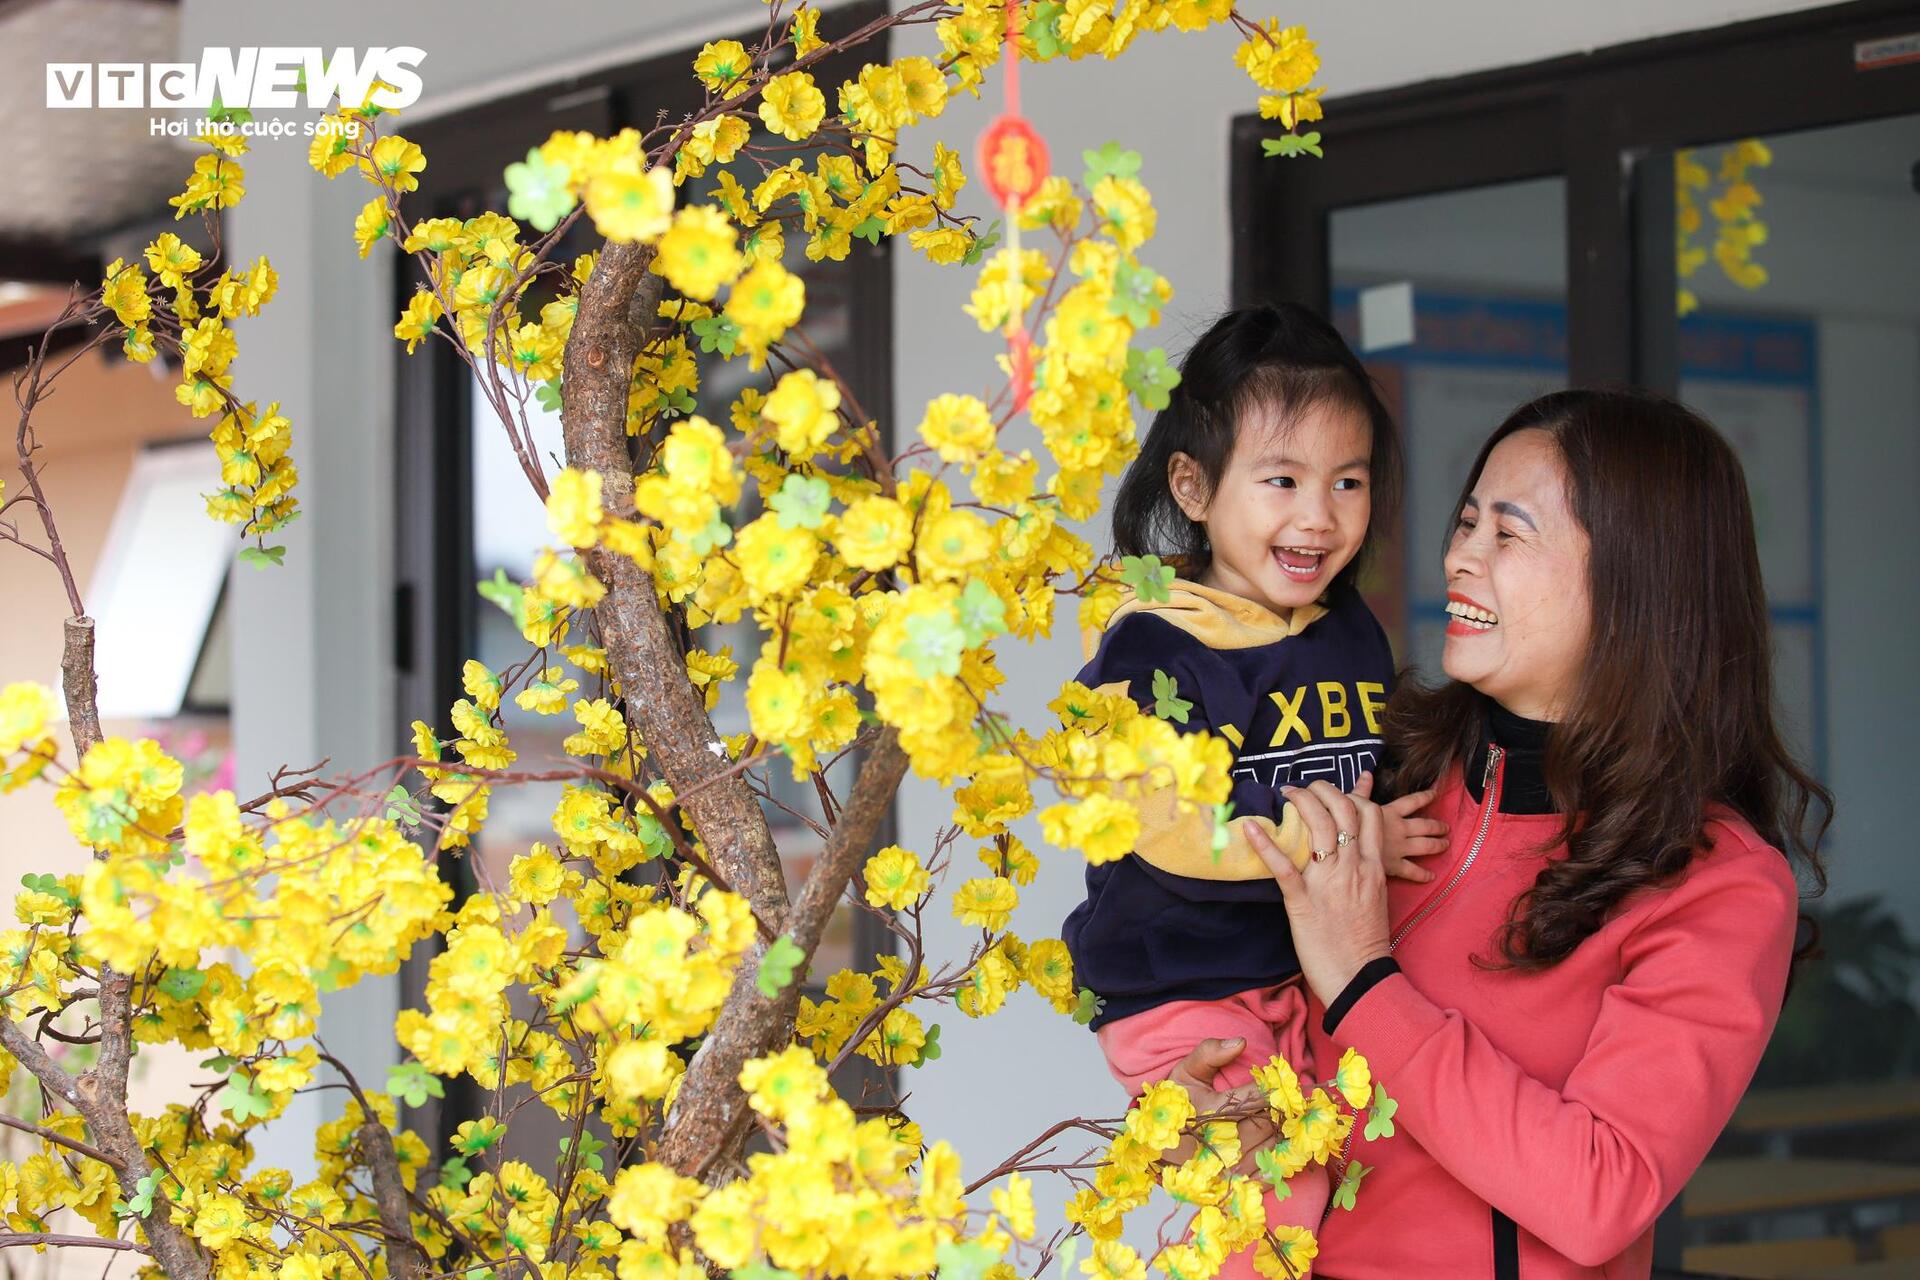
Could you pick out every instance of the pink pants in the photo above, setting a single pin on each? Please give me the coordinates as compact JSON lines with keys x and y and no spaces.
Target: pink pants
{"x":1147,"y":1046}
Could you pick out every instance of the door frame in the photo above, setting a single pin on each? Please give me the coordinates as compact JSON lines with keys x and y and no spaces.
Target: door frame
{"x":1592,"y":118}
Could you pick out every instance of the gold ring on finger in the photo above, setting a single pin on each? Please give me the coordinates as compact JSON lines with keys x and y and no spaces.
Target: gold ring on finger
{"x":1344,"y":839}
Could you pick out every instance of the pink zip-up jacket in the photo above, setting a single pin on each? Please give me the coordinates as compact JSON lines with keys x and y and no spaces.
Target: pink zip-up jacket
{"x":1546,"y":1118}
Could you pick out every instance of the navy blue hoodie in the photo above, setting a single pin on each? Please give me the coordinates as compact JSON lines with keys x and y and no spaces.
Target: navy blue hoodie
{"x":1300,"y":698}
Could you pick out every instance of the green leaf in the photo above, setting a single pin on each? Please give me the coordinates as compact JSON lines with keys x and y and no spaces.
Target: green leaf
{"x":1043,"y":29}
{"x":870,"y":230}
{"x":242,"y":1100}
{"x":1069,"y":1250}
{"x":1272,"y":1170}
{"x":1349,"y":1187}
{"x":505,"y":592}
{"x":778,"y":965}
{"x":485,"y":1133}
{"x":930,"y":1051}
{"x":142,"y":1203}
{"x":261,"y":557}
{"x":934,"y":644}
{"x":414,"y":1084}
{"x":1222,"y":833}
{"x":221,"y":113}
{"x":802,"y":502}
{"x":181,"y":984}
{"x":1167,"y":702}
{"x":1150,"y":378}
{"x":983,"y":613}
{"x":50,"y":885}
{"x":967,"y":1261}
{"x":717,"y":333}
{"x":401,"y":809}
{"x":762,"y":1271}
{"x":547,"y":395}
{"x":981,"y":244}
{"x":539,"y":191}
{"x":590,"y":1149}
{"x":333,"y":975}
{"x":1293,"y":144}
{"x":454,"y":1173}
{"x":1147,"y":576}
{"x":1380,"y":1114}
{"x":221,"y":1063}
{"x":1135,"y":294}
{"x":1110,"y":160}
{"x":1087,"y":1007}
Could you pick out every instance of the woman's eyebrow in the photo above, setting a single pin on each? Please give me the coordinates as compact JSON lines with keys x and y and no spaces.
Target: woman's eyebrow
{"x":1517,"y":512}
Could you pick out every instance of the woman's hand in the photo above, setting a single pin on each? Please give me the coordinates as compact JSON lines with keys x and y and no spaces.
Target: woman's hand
{"x":1338,"y":905}
{"x":1196,"y":1074}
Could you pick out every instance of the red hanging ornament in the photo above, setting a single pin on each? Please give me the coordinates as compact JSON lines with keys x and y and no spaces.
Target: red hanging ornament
{"x":1012,"y":160}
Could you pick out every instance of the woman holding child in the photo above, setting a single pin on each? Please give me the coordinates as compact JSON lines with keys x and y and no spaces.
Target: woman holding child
{"x":1569,"y":1007}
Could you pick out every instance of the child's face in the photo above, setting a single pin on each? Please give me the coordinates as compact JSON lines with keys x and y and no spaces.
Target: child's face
{"x":1291,"y":510}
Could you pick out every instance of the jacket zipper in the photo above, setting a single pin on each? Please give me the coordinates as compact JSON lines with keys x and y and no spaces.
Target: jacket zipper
{"x":1489,"y":804}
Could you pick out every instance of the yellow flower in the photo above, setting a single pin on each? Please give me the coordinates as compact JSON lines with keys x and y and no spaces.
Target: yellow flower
{"x":25,"y":709}
{"x":895,"y":878}
{"x":629,"y":205}
{"x":396,"y":160}
{"x":124,"y":292}
{"x":765,"y":303}
{"x":697,"y":253}
{"x":1015,"y":1204}
{"x":1049,"y":969}
{"x":958,"y":427}
{"x":1279,"y":60}
{"x":1125,"y":210}
{"x":536,"y":876}
{"x":953,"y":544}
{"x":416,"y":323}
{"x":776,"y":702}
{"x":874,"y":533}
{"x":370,"y":224}
{"x":792,"y":106}
{"x":722,"y":64}
{"x":1114,"y":1260}
{"x":573,"y":507}
{"x":803,"y":410}
{"x":1290,"y":1254}
{"x":773,"y":559}
{"x":172,"y":259}
{"x":1282,"y":1087}
{"x":1354,"y":1079}
{"x":805,"y":32}
{"x":648,"y":1198}
{"x":985,"y":902}
{"x":219,"y":1220}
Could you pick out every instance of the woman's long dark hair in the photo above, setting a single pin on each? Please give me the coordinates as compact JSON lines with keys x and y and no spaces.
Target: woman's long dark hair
{"x":1281,"y":356}
{"x":1675,"y":709}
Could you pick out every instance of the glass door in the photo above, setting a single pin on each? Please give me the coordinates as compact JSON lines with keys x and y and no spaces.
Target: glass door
{"x":1795,"y":329}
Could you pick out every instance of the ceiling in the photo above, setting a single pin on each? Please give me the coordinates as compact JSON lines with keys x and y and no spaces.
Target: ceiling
{"x":71,"y":173}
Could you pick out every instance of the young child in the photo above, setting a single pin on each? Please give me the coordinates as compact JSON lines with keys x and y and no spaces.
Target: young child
{"x":1259,"y":481}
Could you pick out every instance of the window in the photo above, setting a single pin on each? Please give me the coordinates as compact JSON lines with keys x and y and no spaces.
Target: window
{"x":1486,"y":238}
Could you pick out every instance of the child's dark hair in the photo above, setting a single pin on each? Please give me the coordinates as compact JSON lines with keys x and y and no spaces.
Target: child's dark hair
{"x":1281,"y":355}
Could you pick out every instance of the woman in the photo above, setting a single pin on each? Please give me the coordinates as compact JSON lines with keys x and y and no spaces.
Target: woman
{"x":1568,"y":1013}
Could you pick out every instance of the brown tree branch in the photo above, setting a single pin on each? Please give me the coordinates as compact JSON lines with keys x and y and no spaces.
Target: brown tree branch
{"x":641,"y":649}
{"x":701,"y":1128}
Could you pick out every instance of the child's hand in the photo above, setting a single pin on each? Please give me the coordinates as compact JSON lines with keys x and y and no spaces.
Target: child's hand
{"x":1404,"y":837}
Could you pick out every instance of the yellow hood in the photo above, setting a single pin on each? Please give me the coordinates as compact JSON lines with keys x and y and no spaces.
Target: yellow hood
{"x":1218,"y":619}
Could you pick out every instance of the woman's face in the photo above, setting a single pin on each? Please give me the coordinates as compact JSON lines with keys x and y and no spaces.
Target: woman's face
{"x":1517,"y":582}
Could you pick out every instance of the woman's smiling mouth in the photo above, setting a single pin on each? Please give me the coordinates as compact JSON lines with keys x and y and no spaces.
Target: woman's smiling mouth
{"x":1466,"y":618}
